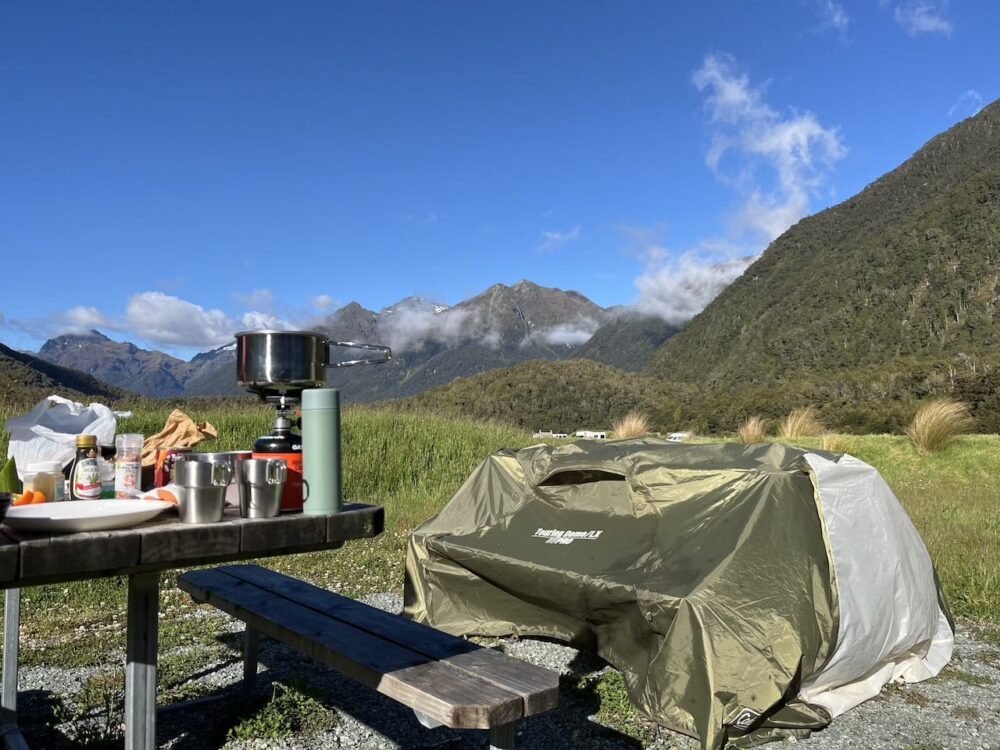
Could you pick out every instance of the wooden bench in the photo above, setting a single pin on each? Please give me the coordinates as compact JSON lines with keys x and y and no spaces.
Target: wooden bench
{"x":445,"y":680}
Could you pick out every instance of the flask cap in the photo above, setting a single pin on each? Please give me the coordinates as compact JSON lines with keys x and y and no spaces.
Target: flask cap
{"x":321,"y":398}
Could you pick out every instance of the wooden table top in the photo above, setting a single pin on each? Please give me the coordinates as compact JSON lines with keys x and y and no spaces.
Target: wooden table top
{"x":29,"y":559}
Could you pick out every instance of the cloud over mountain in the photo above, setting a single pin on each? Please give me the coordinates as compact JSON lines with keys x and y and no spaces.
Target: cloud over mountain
{"x":678,"y":290}
{"x":775,"y":161}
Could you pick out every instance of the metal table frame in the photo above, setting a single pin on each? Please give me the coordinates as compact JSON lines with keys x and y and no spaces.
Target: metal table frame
{"x":142,"y":626}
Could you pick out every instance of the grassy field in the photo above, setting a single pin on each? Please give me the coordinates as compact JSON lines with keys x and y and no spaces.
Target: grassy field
{"x":412,"y":464}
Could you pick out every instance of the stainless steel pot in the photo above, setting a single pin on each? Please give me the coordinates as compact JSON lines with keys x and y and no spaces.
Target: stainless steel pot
{"x":281,"y":361}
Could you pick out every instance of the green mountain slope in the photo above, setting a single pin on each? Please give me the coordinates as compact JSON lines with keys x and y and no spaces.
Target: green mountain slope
{"x":627,"y":341}
{"x":560,"y":396}
{"x":909,"y":267}
{"x":25,"y":379}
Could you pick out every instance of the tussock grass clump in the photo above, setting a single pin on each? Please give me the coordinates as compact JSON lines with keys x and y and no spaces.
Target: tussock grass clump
{"x":836,"y":443}
{"x":937,"y":422}
{"x":753,"y":430}
{"x":804,"y":422}
{"x":632,"y":425}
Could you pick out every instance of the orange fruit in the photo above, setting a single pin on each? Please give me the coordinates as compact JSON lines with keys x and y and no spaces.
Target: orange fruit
{"x":25,"y":498}
{"x":38,"y":497}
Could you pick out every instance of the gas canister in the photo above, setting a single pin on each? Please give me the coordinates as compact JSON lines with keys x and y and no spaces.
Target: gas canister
{"x":285,"y":444}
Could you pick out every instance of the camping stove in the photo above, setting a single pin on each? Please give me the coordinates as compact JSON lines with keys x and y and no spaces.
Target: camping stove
{"x":278,"y":366}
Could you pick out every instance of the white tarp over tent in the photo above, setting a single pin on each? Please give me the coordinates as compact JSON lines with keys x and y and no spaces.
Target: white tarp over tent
{"x":888,"y":629}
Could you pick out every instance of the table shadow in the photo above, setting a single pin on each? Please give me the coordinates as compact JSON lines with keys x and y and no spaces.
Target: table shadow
{"x":365,"y":710}
{"x":203,"y":724}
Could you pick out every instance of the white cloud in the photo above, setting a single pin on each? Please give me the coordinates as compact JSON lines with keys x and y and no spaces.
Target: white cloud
{"x":162,"y":319}
{"x":168,"y":322}
{"x":491,"y":339}
{"x":255,"y":320}
{"x":833,"y":16}
{"x":410,"y":328}
{"x":76,"y":320}
{"x":678,"y":290}
{"x":924,"y":17}
{"x":569,"y":334}
{"x":322,"y":302}
{"x":258,"y":299}
{"x":552,"y":241}
{"x":969,"y":103}
{"x":82,"y":319}
{"x":775,"y":160}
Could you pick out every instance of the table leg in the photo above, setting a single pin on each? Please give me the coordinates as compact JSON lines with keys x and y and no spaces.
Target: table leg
{"x":140,"y":666}
{"x":12,"y":737}
{"x":502,"y":737}
{"x":250,"y":646}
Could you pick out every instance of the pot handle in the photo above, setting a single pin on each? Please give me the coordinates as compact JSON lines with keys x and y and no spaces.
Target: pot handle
{"x":386,"y":352}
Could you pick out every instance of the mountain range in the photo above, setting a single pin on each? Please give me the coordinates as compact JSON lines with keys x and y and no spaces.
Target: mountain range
{"x":862,"y":309}
{"x":433,"y":344}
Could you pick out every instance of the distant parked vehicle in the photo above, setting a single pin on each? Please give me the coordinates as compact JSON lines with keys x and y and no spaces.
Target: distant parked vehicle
{"x":678,"y":437}
{"x":592,"y":434}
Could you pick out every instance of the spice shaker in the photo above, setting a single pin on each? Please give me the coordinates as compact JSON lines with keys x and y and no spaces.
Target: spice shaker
{"x":321,"y":469}
{"x":128,"y":464}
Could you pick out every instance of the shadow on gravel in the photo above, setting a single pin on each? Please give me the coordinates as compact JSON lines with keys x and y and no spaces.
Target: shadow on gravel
{"x":40,"y":711}
{"x":365,"y":718}
{"x":368,"y":719}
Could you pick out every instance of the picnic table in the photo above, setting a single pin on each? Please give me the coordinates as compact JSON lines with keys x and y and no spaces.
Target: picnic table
{"x":142,"y":552}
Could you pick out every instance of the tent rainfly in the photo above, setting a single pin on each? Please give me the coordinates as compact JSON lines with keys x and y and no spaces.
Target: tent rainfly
{"x":744,"y":592}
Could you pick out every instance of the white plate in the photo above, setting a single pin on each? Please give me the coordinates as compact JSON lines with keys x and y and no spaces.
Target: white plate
{"x":84,"y":515}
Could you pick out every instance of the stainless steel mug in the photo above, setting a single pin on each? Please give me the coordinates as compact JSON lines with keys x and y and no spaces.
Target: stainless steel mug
{"x":232,"y":459}
{"x":201,"y":489}
{"x":262,"y":481}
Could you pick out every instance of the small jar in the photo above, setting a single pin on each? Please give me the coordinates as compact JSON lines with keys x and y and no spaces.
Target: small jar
{"x":128,"y":464}
{"x":45,"y":477}
{"x":85,"y":476}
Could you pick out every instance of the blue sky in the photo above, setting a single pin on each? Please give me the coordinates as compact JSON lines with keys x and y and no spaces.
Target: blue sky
{"x":172,"y":172}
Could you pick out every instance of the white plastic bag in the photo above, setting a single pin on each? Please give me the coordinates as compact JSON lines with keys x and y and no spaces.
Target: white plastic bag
{"x":48,"y":432}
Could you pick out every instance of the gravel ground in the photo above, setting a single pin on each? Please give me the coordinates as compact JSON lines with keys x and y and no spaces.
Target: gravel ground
{"x":958,"y":710}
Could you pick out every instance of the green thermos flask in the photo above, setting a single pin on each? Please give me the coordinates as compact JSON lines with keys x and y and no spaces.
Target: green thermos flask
{"x":321,"y":472}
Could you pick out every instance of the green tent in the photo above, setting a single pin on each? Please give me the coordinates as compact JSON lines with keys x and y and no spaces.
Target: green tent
{"x":744,"y":592}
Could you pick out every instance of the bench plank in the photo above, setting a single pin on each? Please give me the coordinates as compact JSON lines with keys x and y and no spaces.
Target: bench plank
{"x":538,"y":687}
{"x":448,"y":695}
{"x":437,"y":690}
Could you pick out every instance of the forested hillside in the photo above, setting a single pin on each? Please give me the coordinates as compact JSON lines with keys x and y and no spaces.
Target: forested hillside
{"x":909,"y":267}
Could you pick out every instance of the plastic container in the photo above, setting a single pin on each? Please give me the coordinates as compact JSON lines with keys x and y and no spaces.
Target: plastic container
{"x":128,"y":464}
{"x":321,"y":468}
{"x":45,"y":477}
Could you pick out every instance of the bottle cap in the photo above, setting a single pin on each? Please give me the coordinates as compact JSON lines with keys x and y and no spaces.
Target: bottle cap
{"x":321,"y":398}
{"x":86,"y":441}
